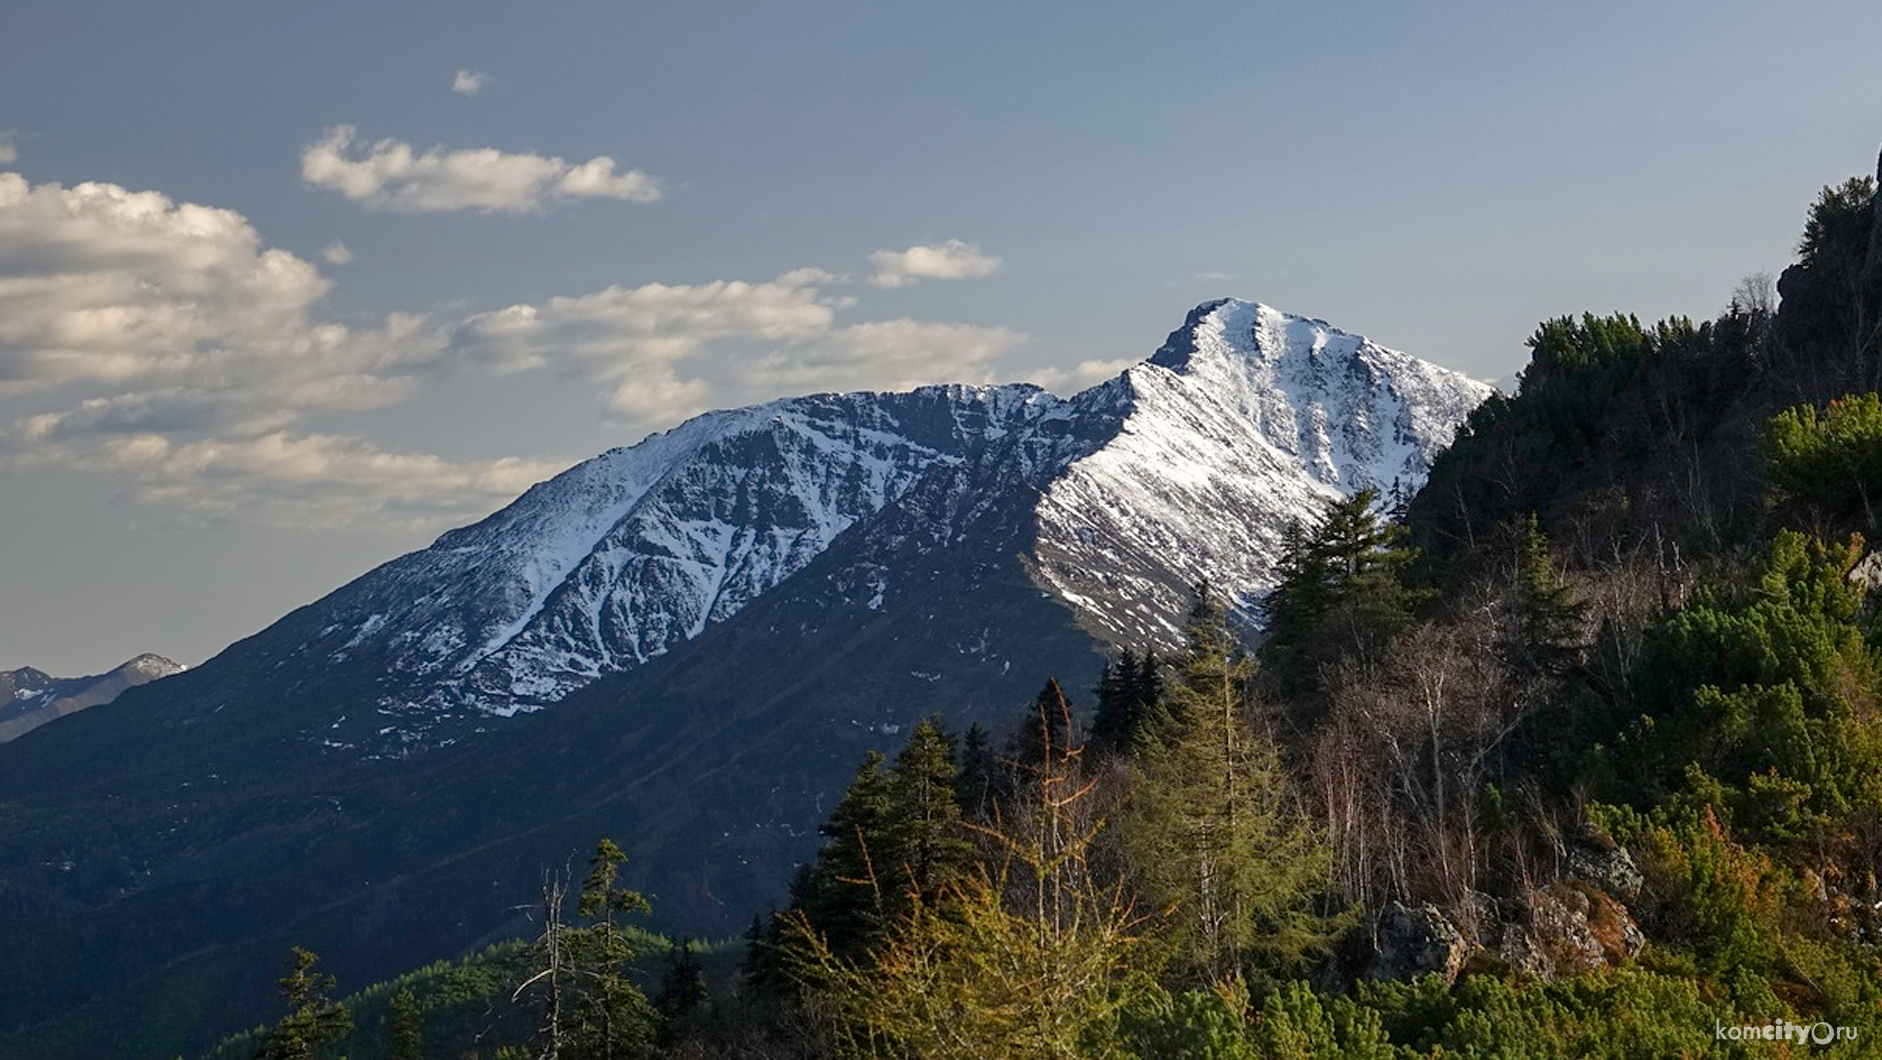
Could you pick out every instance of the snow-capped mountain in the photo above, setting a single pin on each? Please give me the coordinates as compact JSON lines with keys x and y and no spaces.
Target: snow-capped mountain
{"x":1246,"y":420}
{"x":1187,"y":466}
{"x":30,"y":698}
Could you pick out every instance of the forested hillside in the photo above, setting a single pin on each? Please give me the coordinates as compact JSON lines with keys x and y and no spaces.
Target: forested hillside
{"x":1580,"y":755}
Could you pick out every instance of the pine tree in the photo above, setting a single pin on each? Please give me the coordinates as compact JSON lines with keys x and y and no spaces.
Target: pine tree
{"x":313,"y":1020}
{"x":407,"y":1036}
{"x":1211,"y":833}
{"x":1127,"y":694}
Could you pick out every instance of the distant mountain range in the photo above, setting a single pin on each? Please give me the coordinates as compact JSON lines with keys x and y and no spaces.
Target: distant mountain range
{"x":30,"y":698}
{"x":685,"y":644}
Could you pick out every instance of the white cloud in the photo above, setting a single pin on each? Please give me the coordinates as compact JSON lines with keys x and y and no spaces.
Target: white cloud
{"x":206,"y":350}
{"x":468,"y":82}
{"x":1214,"y":276}
{"x":102,"y":284}
{"x":635,"y":336}
{"x":8,"y":152}
{"x":337,"y":253}
{"x":670,"y":351}
{"x":164,"y":343}
{"x":307,"y":480}
{"x":390,"y":175}
{"x":1087,"y":373}
{"x":952,"y":260}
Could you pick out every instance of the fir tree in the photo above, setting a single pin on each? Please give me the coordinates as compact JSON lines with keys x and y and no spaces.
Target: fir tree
{"x":1544,"y":636}
{"x":682,"y":990}
{"x":1046,"y":735}
{"x":979,"y":779}
{"x":614,"y":1020}
{"x":1342,"y":591}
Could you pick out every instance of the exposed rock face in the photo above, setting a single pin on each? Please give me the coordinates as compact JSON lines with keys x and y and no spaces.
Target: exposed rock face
{"x":1413,"y":942}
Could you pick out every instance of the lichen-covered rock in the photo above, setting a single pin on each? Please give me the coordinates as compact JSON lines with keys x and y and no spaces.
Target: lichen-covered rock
{"x":1411,"y":942}
{"x":1611,"y":870}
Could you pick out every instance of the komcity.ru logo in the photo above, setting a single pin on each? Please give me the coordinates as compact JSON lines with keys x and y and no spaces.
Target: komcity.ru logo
{"x":1819,"y":1033}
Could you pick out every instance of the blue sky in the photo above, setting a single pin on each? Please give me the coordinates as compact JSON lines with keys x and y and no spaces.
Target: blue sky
{"x":795,"y":196}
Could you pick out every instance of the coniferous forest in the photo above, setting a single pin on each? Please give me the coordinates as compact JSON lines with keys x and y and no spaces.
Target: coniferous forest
{"x":1576,"y":754}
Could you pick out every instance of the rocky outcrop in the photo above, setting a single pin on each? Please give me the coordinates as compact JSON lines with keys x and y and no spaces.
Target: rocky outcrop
{"x":1612,"y":870}
{"x":1568,"y":928}
{"x":1413,"y":942}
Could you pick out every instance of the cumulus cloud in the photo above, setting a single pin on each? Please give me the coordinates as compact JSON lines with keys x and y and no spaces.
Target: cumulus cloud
{"x":337,"y":253}
{"x":207,"y":350}
{"x":102,"y":284}
{"x":390,"y":175}
{"x":469,"y":82}
{"x":635,"y":337}
{"x":952,"y":260}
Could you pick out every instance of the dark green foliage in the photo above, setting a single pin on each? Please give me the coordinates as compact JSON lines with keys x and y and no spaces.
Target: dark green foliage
{"x":1543,"y":639}
{"x":408,"y":1042}
{"x":1044,"y":737}
{"x":313,"y":1019}
{"x":928,"y":849}
{"x":1342,"y":590}
{"x":842,"y":895}
{"x":1128,"y":695}
{"x":1831,"y":459}
{"x":683,"y":995}
{"x":1763,"y":695}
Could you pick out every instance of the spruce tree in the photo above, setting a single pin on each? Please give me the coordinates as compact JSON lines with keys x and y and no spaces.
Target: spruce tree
{"x":407,"y":1035}
{"x":612,"y":1020}
{"x":1045,"y":736}
{"x":980,"y":774}
{"x":313,"y":1019}
{"x":682,"y":989}
{"x":928,"y":846}
{"x":845,"y":891}
{"x":1544,"y":636}
{"x":1342,"y":591}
